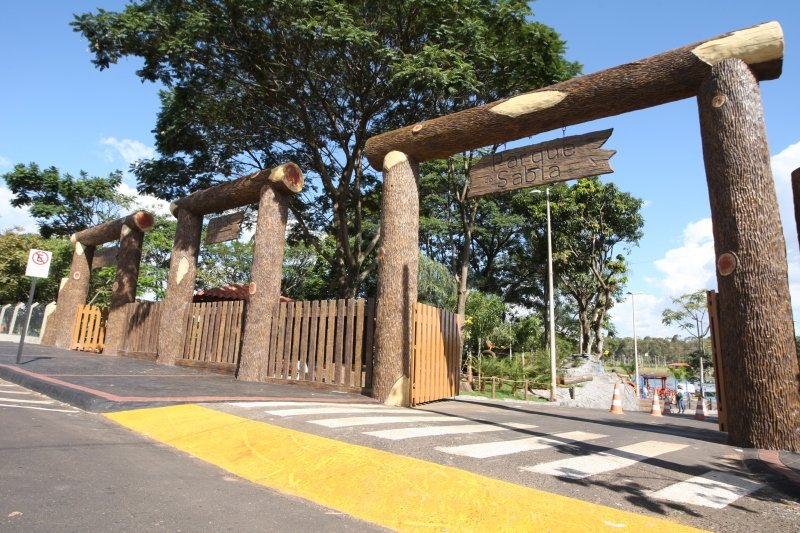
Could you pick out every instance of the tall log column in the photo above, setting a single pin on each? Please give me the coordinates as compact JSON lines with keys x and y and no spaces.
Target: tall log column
{"x":755,"y":316}
{"x":796,"y":199}
{"x":265,"y":275}
{"x":180,"y":286}
{"x":398,"y":265}
{"x":123,"y":291}
{"x":73,"y":293}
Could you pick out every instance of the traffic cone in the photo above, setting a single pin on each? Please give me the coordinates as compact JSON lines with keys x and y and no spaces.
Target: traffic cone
{"x":655,"y":410}
{"x":700,"y":412}
{"x":616,"y":400}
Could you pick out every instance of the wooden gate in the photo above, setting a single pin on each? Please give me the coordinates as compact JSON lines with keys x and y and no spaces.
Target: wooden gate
{"x":214,"y":335}
{"x":436,"y":362}
{"x":323,"y":341}
{"x":140,"y":338}
{"x":712,"y":299}
{"x":88,"y":330}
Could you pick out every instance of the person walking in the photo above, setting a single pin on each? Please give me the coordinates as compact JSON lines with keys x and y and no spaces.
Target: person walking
{"x":679,"y":395}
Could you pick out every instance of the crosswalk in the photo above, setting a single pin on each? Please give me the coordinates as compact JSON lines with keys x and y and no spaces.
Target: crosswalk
{"x":15,"y":397}
{"x":713,"y":489}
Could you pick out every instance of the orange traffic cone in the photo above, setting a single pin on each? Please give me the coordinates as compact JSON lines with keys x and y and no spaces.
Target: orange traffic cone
{"x":655,"y":410}
{"x":616,"y":400}
{"x":700,"y":412}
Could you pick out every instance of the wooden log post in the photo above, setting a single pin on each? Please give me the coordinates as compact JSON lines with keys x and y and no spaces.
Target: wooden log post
{"x":656,"y":80}
{"x":180,"y":286}
{"x":756,"y":330}
{"x":72,"y":294}
{"x":123,"y":291}
{"x":796,"y":199}
{"x":265,"y":276}
{"x":111,"y":230}
{"x":398,"y":265}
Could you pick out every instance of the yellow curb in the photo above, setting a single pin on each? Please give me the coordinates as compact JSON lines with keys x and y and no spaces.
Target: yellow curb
{"x":394,"y":491}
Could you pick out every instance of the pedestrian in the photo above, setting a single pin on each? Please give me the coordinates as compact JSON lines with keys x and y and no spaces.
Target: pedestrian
{"x":679,"y":395}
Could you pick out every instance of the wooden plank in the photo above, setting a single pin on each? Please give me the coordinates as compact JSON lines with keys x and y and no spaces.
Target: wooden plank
{"x":272,"y":341}
{"x":338,"y":356}
{"x":313,"y":330}
{"x":369,"y":333}
{"x":412,"y":371}
{"x":330,"y":333}
{"x":322,"y":321}
{"x":238,"y":325}
{"x":347,"y":360}
{"x":296,"y":365}
{"x":286,"y":339}
{"x":222,"y":331}
{"x":303,"y":354}
{"x":358,"y":351}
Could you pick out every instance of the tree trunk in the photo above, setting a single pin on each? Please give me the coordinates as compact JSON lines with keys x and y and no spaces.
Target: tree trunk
{"x":111,"y":230}
{"x":265,"y":283}
{"x":180,"y":286}
{"x":796,"y":198}
{"x":398,"y":265}
{"x":755,"y":315}
{"x":72,"y":294}
{"x":656,"y":80}
{"x":123,"y":291}
{"x":463,"y":272}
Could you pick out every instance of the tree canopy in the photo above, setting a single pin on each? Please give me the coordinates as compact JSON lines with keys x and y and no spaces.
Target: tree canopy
{"x":252,"y":83}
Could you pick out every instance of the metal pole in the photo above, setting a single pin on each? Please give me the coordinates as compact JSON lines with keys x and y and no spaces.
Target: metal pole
{"x":550,"y":304}
{"x":635,"y":347}
{"x":25,"y":322}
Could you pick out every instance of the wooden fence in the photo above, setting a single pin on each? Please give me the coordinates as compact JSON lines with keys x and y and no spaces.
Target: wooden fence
{"x":214,"y":335}
{"x":140,"y":338}
{"x":89,"y":329}
{"x":436,"y":362}
{"x":327,"y":341}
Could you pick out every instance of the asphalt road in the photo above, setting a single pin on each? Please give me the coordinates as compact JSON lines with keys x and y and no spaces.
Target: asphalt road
{"x":65,"y":470}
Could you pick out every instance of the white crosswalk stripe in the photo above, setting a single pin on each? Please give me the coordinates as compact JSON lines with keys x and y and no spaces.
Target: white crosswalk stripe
{"x":485,"y":450}
{"x":353,"y":421}
{"x":713,"y":489}
{"x":598,"y":463}
{"x":433,"y":431}
{"x":17,"y":400}
{"x":344,"y":410}
{"x":10,"y":397}
{"x":39,"y":408}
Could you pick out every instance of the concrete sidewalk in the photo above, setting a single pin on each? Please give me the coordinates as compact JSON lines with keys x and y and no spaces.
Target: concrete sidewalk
{"x":99,"y":383}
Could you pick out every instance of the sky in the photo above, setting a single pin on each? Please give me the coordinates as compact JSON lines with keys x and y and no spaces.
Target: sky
{"x":57,"y":109}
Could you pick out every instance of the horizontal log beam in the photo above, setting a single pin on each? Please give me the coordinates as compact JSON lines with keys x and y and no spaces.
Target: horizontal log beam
{"x":110,"y":231}
{"x":657,"y":80}
{"x":288,"y":178}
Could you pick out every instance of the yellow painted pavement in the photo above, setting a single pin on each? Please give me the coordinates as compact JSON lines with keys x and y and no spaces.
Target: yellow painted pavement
{"x":394,"y":491}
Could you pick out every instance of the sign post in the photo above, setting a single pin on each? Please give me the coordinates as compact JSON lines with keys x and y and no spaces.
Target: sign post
{"x":38,"y":267}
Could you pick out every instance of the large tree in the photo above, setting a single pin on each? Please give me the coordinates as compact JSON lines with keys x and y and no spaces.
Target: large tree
{"x":252,"y":83}
{"x":63,"y":204}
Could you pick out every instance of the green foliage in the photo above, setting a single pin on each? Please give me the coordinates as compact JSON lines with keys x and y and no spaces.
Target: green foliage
{"x":689,"y":314}
{"x":14,"y":248}
{"x":224,"y":263}
{"x":484,"y":314}
{"x":156,"y":253}
{"x":62,"y":204}
{"x":253,"y":83}
{"x":435,"y":284}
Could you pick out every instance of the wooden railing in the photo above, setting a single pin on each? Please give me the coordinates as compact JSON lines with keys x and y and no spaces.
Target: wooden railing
{"x":327,"y":341}
{"x":214,"y":335}
{"x":436,"y":363}
{"x":88,"y":330}
{"x":142,"y":321}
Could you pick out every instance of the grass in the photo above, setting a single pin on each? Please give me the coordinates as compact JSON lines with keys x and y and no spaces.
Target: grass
{"x":502,"y":393}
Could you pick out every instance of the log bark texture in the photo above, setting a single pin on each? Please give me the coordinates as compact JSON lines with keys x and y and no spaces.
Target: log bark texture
{"x":242,"y":191}
{"x":398,"y":266}
{"x":123,"y":291}
{"x":796,"y":199}
{"x":72,"y":294}
{"x":265,"y":282}
{"x":656,"y":80}
{"x":755,"y":316}
{"x":110,"y":231}
{"x":180,"y":286}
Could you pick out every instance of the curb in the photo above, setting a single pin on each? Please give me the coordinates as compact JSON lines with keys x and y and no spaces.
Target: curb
{"x":769,"y":464}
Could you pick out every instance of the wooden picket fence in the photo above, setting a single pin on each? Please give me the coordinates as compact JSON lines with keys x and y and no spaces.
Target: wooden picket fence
{"x":436,"y":362}
{"x":142,"y":321}
{"x":323,"y":341}
{"x":214,"y":335}
{"x":89,"y":329}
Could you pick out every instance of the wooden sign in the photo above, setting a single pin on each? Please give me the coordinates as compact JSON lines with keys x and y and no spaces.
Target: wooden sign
{"x":568,"y":158}
{"x":105,"y":257}
{"x":224,"y":228}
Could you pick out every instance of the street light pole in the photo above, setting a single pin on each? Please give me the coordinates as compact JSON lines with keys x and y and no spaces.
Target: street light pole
{"x":550,"y":304}
{"x":635,"y":347}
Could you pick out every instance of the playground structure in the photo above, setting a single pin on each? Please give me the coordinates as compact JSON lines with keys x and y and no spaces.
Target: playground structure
{"x":754,"y":325}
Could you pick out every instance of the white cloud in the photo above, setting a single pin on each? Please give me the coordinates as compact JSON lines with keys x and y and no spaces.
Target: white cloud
{"x":4,"y":163}
{"x":690,"y":266}
{"x":144,"y":201}
{"x":130,"y":150}
{"x":11,"y":217}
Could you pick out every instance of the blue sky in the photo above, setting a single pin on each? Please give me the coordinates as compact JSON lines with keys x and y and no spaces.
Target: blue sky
{"x":57,"y":109}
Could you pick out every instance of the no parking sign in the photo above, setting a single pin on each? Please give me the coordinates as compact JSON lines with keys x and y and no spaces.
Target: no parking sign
{"x":38,"y":263}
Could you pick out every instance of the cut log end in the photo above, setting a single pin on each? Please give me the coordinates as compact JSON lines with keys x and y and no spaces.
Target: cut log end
{"x":290,"y":176}
{"x":144,"y":220}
